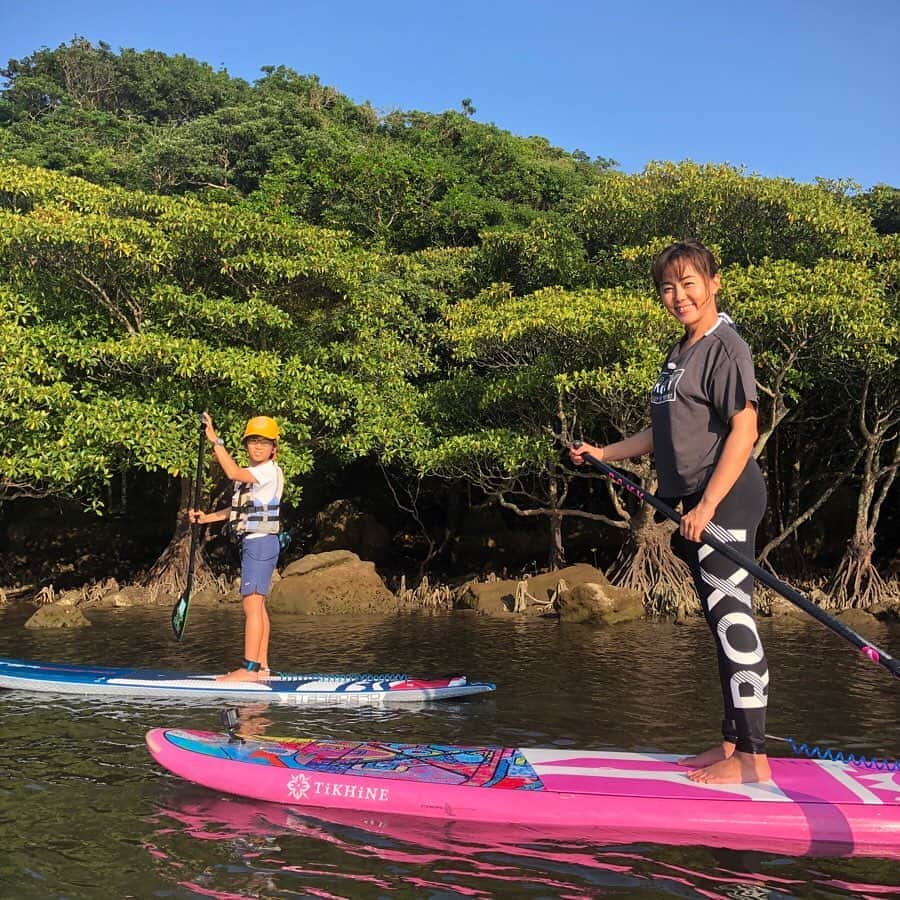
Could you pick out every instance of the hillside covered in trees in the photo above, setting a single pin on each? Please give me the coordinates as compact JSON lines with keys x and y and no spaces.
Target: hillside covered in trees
{"x":427,"y":303}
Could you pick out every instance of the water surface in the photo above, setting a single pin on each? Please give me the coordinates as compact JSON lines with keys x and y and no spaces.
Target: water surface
{"x":85,"y":812}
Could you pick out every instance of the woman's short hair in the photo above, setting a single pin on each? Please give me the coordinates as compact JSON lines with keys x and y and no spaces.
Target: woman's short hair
{"x":677,"y":256}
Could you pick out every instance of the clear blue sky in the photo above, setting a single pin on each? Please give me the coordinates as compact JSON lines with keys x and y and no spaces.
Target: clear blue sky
{"x":797,"y":88}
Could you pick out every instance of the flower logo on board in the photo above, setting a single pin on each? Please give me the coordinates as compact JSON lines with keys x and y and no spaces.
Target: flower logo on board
{"x":298,"y":787}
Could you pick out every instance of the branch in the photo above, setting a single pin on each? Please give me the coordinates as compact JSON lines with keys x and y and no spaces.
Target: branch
{"x":14,"y":490}
{"x":110,"y":307}
{"x":863,"y":425}
{"x":562,"y":513}
{"x":779,"y":407}
{"x":890,"y":471}
{"x":413,"y":511}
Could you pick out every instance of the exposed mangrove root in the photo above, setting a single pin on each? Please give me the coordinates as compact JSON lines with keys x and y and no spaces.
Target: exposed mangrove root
{"x":45,"y":596}
{"x":857,"y":583}
{"x":167,"y":577}
{"x":524,"y":597}
{"x":425,"y":596}
{"x":647,"y":564}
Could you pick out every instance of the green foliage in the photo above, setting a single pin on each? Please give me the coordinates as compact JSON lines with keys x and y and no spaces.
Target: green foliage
{"x":882,"y":203}
{"x":124,"y":315}
{"x":518,"y":355}
{"x":148,"y":84}
{"x":746,"y":218}
{"x":418,"y":287}
{"x":813,"y":324}
{"x":546,"y":253}
{"x":171,"y":124}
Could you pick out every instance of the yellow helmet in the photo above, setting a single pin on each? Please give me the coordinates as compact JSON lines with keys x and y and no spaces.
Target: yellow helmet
{"x":262,"y":426}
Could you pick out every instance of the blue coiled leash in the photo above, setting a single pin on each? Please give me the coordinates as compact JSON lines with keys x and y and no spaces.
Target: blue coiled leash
{"x":814,"y":752}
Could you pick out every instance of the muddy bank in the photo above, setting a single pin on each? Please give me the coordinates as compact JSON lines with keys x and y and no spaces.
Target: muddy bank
{"x":338,"y":582}
{"x":343,"y":560}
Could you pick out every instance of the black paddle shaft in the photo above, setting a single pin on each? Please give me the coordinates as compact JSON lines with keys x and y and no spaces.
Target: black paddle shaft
{"x":195,"y":528}
{"x":868,"y":649}
{"x":180,"y":610}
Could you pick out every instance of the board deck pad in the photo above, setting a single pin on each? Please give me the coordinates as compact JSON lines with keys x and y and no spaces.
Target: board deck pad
{"x":294,"y":688}
{"x":854,"y":810}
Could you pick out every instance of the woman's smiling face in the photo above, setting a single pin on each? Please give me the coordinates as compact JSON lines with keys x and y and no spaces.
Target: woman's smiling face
{"x":690,"y":296}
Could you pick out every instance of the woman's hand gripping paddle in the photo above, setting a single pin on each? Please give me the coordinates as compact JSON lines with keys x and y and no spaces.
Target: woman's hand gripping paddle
{"x":868,"y":649}
{"x":180,"y":610}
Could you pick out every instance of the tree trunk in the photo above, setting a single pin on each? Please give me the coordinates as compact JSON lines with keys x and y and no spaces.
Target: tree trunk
{"x":556,"y":558}
{"x":167,"y":577}
{"x":857,"y":583}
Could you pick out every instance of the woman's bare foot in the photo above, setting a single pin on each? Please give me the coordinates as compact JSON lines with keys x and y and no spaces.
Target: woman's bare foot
{"x":239,"y":675}
{"x":708,"y":757}
{"x":739,"y":768}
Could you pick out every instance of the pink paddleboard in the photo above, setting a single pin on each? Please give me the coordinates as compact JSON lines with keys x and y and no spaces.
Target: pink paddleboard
{"x":808,"y":804}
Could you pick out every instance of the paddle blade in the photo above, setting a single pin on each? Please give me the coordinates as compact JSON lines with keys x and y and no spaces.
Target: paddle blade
{"x":180,"y":614}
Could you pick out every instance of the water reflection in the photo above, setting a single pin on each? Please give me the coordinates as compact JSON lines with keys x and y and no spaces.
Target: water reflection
{"x":389,"y":853}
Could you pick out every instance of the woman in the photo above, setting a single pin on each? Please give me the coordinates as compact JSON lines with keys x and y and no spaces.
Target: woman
{"x":703,"y":429}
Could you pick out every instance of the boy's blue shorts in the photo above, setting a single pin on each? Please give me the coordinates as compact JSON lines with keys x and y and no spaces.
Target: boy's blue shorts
{"x":259,"y":556}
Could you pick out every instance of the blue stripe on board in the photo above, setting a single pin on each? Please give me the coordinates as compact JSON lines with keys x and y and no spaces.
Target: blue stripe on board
{"x":79,"y":674}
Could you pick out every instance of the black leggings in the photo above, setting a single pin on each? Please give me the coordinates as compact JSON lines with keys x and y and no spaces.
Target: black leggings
{"x":726,"y":592}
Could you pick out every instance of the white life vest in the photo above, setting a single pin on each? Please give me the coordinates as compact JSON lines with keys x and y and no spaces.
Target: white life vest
{"x":249,"y":517}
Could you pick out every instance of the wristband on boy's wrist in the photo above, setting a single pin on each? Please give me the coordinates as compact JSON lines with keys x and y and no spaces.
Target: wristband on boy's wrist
{"x":219,"y":442}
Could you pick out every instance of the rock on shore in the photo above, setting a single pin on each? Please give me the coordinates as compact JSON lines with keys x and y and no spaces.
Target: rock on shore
{"x":334,"y":582}
{"x":55,"y":615}
{"x":577,"y":593}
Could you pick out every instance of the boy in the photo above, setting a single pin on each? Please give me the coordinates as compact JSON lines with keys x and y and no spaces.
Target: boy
{"x":254,"y":515}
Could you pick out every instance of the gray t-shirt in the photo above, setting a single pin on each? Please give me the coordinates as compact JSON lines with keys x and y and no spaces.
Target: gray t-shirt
{"x":698,"y":391}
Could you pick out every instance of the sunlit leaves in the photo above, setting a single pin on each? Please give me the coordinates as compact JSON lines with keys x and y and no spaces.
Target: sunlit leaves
{"x":124,"y":316}
{"x":747,"y":217}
